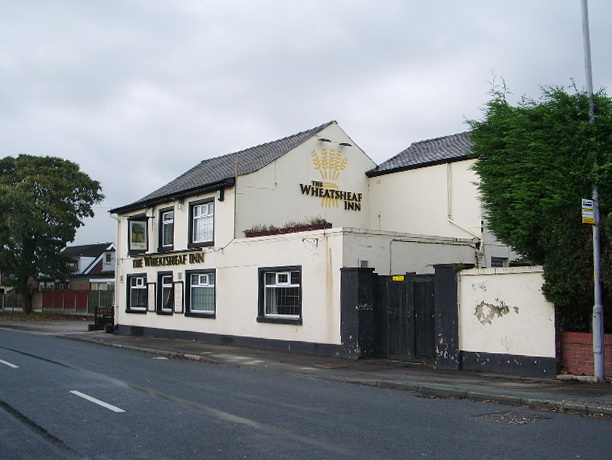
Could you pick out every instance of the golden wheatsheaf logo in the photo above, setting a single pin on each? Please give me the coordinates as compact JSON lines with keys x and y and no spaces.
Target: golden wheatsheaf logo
{"x":330,"y":163}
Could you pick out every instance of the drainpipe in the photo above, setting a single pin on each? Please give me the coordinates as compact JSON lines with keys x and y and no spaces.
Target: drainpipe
{"x":118,"y":245}
{"x":449,"y":216}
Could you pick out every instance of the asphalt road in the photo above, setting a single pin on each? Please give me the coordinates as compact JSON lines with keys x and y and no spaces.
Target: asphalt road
{"x":67,"y":399}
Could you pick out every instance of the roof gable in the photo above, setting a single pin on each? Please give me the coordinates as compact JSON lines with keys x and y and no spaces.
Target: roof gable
{"x":92,"y":254}
{"x":220,"y":171}
{"x":426,"y":153}
{"x":88,"y":250}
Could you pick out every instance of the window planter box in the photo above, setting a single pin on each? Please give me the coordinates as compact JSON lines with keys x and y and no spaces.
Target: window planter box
{"x":281,"y":231}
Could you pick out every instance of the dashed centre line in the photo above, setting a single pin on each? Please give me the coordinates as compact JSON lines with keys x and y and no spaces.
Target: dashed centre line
{"x":6,"y":363}
{"x":96,"y":401}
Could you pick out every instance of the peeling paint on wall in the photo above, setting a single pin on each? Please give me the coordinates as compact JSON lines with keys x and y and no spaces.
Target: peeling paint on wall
{"x":486,"y":312}
{"x":482,"y":286}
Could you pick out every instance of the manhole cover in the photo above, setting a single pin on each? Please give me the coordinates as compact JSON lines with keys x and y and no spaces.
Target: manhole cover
{"x":515,"y":418}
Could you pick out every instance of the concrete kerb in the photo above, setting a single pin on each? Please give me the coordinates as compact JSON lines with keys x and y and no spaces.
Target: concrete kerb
{"x":166,"y":354}
{"x":437,"y":391}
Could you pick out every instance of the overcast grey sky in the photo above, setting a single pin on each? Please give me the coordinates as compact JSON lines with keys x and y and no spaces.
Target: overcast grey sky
{"x":138,"y":91}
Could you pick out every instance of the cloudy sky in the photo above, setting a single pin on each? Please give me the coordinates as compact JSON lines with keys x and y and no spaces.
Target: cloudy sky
{"x":138,"y":91}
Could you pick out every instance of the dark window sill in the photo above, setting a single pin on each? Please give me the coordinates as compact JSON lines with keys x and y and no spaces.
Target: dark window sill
{"x":265,"y":319}
{"x":201,"y":245}
{"x":211,"y":315}
{"x":143,"y":311}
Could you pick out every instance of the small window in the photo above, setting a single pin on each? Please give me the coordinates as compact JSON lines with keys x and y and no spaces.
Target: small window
{"x":202,"y":223}
{"x":137,"y":293}
{"x":165,"y":295}
{"x":499,"y":262}
{"x":166,"y":230}
{"x":280,"y":295}
{"x":282,"y":279}
{"x":201,"y":293}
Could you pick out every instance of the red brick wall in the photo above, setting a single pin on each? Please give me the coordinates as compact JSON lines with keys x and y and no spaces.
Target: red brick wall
{"x":65,"y":300}
{"x":577,"y":353}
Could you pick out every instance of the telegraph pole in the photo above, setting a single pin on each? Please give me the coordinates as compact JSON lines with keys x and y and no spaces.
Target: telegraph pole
{"x":598,"y":323}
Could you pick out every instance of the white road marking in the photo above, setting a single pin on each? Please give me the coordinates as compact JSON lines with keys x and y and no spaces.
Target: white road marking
{"x":6,"y":363}
{"x":96,"y":401}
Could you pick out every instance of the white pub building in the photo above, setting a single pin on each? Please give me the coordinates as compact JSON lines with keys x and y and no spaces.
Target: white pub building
{"x":275,"y":246}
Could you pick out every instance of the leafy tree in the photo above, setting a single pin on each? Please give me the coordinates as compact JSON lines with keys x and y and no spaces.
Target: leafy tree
{"x":42,"y":203}
{"x":536,"y":161}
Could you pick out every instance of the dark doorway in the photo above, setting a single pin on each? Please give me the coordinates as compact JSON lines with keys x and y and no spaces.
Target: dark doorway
{"x":404,"y":317}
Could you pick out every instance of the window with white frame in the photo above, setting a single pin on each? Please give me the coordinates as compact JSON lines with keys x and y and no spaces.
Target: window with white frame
{"x":202,"y":223}
{"x":201,"y":293}
{"x":280,"y":294}
{"x":166,"y":229}
{"x":165,"y":293}
{"x":137,"y":293}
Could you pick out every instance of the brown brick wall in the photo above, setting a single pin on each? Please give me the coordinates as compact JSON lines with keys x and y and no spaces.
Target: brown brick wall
{"x":79,"y":285}
{"x":577,"y":353}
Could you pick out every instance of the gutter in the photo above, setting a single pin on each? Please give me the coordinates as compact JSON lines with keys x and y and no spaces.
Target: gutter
{"x":224,"y":183}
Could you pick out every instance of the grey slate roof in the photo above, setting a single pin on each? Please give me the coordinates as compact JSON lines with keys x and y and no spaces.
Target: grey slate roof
{"x":426,"y":153}
{"x":93,"y":251}
{"x":87,"y":250}
{"x":216,"y":172}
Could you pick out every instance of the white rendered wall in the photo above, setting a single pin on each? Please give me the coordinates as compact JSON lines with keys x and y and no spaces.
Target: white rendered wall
{"x":237,"y":288}
{"x":504,"y":311}
{"x":223,"y":222}
{"x":427,"y":201}
{"x":321,"y":254}
{"x":84,"y":262}
{"x":391,"y":253}
{"x":273,"y":195}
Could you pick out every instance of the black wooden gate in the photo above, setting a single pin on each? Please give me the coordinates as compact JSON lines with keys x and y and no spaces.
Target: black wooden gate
{"x":404,"y":317}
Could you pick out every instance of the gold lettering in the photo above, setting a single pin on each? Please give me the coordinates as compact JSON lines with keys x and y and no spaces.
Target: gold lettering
{"x":352,"y":206}
{"x":196,"y":258}
{"x":162,"y":261}
{"x":352,"y":200}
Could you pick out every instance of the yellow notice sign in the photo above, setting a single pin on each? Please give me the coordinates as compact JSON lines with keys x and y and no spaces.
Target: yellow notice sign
{"x":588,"y":211}
{"x":398,"y":278}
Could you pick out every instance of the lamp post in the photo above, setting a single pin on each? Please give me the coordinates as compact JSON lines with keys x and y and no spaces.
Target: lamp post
{"x":598,"y":323}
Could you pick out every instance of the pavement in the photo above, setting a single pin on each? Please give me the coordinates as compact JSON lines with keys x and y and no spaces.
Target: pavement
{"x":564,"y":394}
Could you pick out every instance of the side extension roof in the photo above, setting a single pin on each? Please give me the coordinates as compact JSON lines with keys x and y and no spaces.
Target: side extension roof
{"x":430,"y":152}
